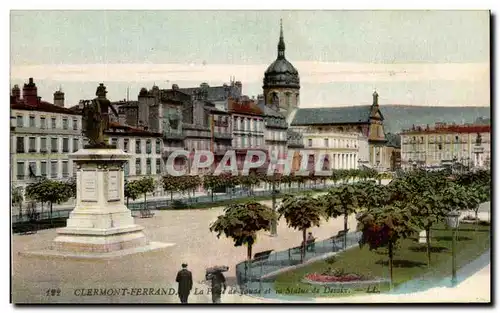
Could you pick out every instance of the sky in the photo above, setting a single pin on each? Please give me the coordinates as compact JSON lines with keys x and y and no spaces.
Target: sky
{"x":410,"y":57}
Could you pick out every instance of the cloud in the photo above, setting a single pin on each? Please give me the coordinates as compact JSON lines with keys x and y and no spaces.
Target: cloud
{"x":310,"y":72}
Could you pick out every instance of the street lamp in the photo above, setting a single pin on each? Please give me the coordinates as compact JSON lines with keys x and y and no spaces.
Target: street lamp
{"x":452,"y":221}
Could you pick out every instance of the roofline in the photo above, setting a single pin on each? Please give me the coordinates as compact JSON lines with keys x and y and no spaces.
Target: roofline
{"x":330,"y":123}
{"x":46,"y":110}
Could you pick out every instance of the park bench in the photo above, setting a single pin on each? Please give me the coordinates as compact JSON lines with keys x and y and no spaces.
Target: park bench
{"x":340,"y":236}
{"x":146,"y":213}
{"x":261,"y":256}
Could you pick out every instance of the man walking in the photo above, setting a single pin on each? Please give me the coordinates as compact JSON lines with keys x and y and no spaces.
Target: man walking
{"x":185,"y":280}
{"x":218,"y":285}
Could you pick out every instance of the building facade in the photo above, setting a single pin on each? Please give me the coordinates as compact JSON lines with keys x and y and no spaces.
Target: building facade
{"x":42,"y":135}
{"x":339,"y":149}
{"x":444,"y":144}
{"x":248,"y":127}
{"x":366,"y":121}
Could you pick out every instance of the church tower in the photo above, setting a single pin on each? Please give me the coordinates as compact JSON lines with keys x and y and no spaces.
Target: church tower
{"x":281,"y":82}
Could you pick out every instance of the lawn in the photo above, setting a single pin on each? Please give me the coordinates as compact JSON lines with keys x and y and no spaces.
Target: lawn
{"x":410,"y":260}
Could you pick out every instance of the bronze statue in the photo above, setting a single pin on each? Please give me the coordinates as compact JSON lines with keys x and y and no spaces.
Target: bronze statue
{"x":95,"y":118}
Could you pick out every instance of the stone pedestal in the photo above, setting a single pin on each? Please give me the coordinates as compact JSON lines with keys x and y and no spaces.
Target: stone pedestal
{"x":100,"y":224}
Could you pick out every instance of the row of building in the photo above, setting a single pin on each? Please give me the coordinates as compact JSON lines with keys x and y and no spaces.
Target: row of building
{"x":215,"y":118}
{"x":468,"y":145}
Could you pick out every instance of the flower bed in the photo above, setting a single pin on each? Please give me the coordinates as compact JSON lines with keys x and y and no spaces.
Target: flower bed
{"x":336,"y":277}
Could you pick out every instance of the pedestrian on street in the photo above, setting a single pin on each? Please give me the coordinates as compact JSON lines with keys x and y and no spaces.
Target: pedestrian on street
{"x":185,"y":280}
{"x":218,"y":285}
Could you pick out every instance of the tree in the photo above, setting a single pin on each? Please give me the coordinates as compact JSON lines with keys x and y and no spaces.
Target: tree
{"x":170,"y":184}
{"x":427,"y":210}
{"x":144,"y":186}
{"x":342,"y":200}
{"x":50,"y":191}
{"x":71,"y":187}
{"x":131,"y":191}
{"x":17,"y":198}
{"x":477,"y":193}
{"x":383,"y":227}
{"x":241,"y":222}
{"x":212,"y":182}
{"x":301,"y":212}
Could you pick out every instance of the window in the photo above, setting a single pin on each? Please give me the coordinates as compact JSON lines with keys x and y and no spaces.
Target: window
{"x":43,"y":122}
{"x":65,"y":172}
{"x":32,"y":144}
{"x":125,"y":145}
{"x":20,"y":144}
{"x":53,"y":122}
{"x":65,"y":145}
{"x":138,"y":146}
{"x":43,"y":168}
{"x":32,"y":168}
{"x":126,"y":169}
{"x":137,"y":166}
{"x":326,"y":142}
{"x":43,"y":144}
{"x":148,"y":146}
{"x":148,"y":166}
{"x":456,"y":138}
{"x":74,"y":167}
{"x":235,"y":123}
{"x":75,"y":124}
{"x":20,"y":170}
{"x":53,"y":169}
{"x":53,"y":145}
{"x":65,"y":123}
{"x":20,"y":122}
{"x":32,"y":121}
{"x":310,"y":142}
{"x":158,"y":166}
{"x":440,"y":146}
{"x":114,"y":142}
{"x":158,"y":146}
{"x":75,"y":144}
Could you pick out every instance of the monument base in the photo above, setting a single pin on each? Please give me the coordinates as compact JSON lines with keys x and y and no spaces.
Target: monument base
{"x":99,"y":240}
{"x":100,"y":226}
{"x":76,"y":255}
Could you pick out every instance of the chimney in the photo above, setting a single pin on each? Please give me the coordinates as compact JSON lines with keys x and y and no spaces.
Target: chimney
{"x":30,"y":93}
{"x":16,"y":93}
{"x":59,"y":98}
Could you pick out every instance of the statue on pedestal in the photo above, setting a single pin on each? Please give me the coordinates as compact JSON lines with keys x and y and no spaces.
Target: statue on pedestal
{"x":95,"y":118}
{"x":478,"y":139}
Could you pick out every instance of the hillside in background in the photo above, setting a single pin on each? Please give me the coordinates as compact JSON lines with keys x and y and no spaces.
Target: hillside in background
{"x":399,"y":117}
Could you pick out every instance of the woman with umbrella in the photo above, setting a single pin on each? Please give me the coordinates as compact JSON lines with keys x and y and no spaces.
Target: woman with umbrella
{"x":214,"y":274}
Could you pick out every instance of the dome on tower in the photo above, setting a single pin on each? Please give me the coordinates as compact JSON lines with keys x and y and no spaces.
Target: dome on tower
{"x":281,"y":73}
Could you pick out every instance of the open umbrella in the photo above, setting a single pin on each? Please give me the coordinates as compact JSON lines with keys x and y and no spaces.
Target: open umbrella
{"x":215,"y":269}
